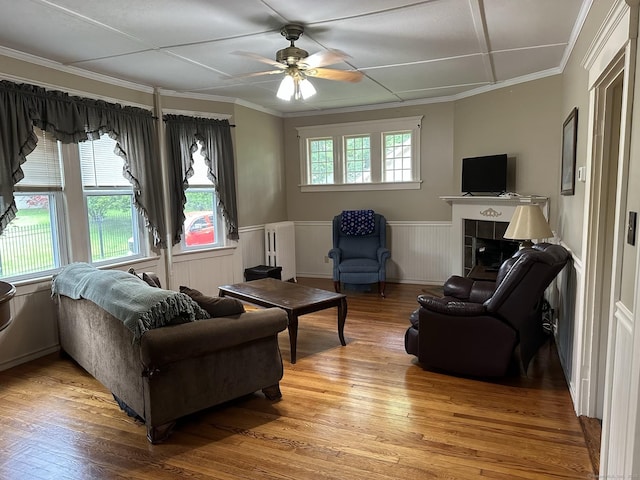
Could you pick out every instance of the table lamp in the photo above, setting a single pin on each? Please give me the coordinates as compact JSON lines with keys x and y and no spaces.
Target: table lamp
{"x":528,"y":222}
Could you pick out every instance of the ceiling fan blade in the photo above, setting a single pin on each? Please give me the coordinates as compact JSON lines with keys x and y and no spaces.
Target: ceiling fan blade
{"x":257,"y":74}
{"x":262,"y":59}
{"x":320,"y":59}
{"x":333,"y":74}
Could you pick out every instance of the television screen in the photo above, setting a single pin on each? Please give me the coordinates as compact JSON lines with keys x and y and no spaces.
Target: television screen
{"x":486,"y":174}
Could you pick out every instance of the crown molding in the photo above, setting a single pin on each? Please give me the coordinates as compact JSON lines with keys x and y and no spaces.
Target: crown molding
{"x":73,"y":92}
{"x":575,"y":33}
{"x":43,"y":62}
{"x":219,"y":98}
{"x":426,"y":101}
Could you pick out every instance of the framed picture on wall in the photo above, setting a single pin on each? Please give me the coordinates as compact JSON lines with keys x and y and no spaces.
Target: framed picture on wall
{"x":569,"y":142}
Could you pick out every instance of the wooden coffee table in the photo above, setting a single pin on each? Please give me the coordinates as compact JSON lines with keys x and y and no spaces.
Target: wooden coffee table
{"x":293,"y":298}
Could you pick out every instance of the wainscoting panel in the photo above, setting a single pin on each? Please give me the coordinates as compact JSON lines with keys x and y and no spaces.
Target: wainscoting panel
{"x":252,"y":246}
{"x":206,"y":271}
{"x":313,"y":242}
{"x":568,"y":299}
{"x":620,"y":432}
{"x":34,"y":329}
{"x":420,"y":251}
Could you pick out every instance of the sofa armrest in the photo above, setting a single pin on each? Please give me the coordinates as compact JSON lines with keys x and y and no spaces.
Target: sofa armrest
{"x":165,"y":345}
{"x":467,"y":289}
{"x":481,"y":291}
{"x":448,"y":307}
{"x":458,"y":287}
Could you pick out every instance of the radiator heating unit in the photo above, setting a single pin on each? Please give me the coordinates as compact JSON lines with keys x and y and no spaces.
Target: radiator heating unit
{"x":280,"y":248}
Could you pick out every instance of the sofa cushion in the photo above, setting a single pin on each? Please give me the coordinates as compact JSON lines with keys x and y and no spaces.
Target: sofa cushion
{"x":215,"y":306}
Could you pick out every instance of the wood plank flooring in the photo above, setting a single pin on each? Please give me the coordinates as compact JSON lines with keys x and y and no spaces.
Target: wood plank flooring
{"x":364,"y":411}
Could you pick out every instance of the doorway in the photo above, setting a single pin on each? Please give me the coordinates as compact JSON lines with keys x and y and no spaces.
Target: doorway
{"x":608,"y":179}
{"x":601,"y":223}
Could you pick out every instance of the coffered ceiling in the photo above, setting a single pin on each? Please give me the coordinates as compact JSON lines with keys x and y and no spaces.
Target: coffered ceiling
{"x":409,"y":51}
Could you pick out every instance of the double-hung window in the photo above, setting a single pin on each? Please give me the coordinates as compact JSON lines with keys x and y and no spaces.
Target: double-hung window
{"x":203,"y":226}
{"x":113,"y":222}
{"x":33,"y":243}
{"x":369,"y":155}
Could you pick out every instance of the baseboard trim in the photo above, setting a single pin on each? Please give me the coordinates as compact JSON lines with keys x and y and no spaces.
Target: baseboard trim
{"x":28,"y":357}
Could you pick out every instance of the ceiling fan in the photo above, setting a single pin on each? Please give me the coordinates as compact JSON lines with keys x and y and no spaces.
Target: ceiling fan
{"x":296,"y":64}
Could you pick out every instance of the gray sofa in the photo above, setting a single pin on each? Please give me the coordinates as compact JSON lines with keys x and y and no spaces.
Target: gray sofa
{"x":177,"y":369}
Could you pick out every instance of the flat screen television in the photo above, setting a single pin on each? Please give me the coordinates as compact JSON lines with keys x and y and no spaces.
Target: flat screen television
{"x":485,"y":175}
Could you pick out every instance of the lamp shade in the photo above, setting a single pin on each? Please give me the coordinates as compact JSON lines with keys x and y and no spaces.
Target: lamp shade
{"x":528,"y":222}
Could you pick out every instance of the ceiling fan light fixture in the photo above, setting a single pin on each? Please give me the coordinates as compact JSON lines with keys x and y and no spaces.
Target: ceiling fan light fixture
{"x":307,"y":89}
{"x":287,"y":88}
{"x":295,"y":86}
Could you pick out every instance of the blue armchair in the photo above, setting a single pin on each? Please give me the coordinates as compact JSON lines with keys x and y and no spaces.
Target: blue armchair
{"x":359,"y":250}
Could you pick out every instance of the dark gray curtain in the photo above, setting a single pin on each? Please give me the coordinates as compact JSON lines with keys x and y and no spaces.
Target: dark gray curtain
{"x":182,"y":134}
{"x":71,"y":120}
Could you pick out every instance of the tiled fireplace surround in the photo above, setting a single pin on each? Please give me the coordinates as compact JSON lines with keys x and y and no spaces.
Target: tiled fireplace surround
{"x":484,"y":244}
{"x":477,"y":220}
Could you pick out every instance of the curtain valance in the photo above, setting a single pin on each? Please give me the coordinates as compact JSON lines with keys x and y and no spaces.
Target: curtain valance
{"x":72,"y":119}
{"x":183,"y":133}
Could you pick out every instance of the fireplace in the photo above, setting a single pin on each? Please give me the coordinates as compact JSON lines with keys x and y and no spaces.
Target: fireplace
{"x":485,"y":219}
{"x":485,"y":246}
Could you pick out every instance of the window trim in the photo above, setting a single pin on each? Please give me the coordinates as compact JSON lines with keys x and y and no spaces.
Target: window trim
{"x":58,"y":231}
{"x":219,"y":221}
{"x":137,"y":230}
{"x":71,"y":236}
{"x":376,"y":130}
{"x":75,"y":157}
{"x":219,"y":225}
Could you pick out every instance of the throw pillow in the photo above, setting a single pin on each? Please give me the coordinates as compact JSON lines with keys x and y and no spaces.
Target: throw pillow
{"x":149,"y":278}
{"x":152,"y":279}
{"x":215,"y":306}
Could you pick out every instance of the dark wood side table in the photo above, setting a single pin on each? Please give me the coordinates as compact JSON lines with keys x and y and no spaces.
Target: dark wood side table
{"x":293,"y":298}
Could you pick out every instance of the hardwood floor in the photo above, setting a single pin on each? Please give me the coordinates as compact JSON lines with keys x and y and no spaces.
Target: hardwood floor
{"x":364,"y":411}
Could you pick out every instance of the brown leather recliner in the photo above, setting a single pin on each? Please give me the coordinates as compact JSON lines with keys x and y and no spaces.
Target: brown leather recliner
{"x":475,"y":328}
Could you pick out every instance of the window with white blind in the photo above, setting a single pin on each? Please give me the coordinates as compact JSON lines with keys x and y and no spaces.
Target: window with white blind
{"x":74,"y":204}
{"x":32,"y":244}
{"x":368,"y":155}
{"x":113,"y":222}
{"x":202,"y":226}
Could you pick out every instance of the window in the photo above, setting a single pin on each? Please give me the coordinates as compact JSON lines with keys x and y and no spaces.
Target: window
{"x":321,"y":160}
{"x":202,"y":228}
{"x":112,"y":219}
{"x":371,"y":155}
{"x":62,"y":207}
{"x":357,"y":152}
{"x":397,"y":157}
{"x":31,"y":243}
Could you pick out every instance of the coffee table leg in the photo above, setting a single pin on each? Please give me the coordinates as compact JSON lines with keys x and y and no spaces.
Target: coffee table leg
{"x":293,"y":334}
{"x":342,"y":316}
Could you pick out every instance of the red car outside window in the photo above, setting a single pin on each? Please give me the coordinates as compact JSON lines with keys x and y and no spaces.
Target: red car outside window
{"x":198,"y":229}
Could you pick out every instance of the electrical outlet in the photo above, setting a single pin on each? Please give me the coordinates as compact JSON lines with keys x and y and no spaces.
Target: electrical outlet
{"x":326,"y":259}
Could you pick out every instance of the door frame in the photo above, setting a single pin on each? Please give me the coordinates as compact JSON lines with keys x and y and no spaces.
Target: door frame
{"x":612,"y":54}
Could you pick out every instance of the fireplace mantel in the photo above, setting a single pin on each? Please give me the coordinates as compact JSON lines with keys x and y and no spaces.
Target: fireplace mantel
{"x":497,"y":209}
{"x":486,"y":200}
